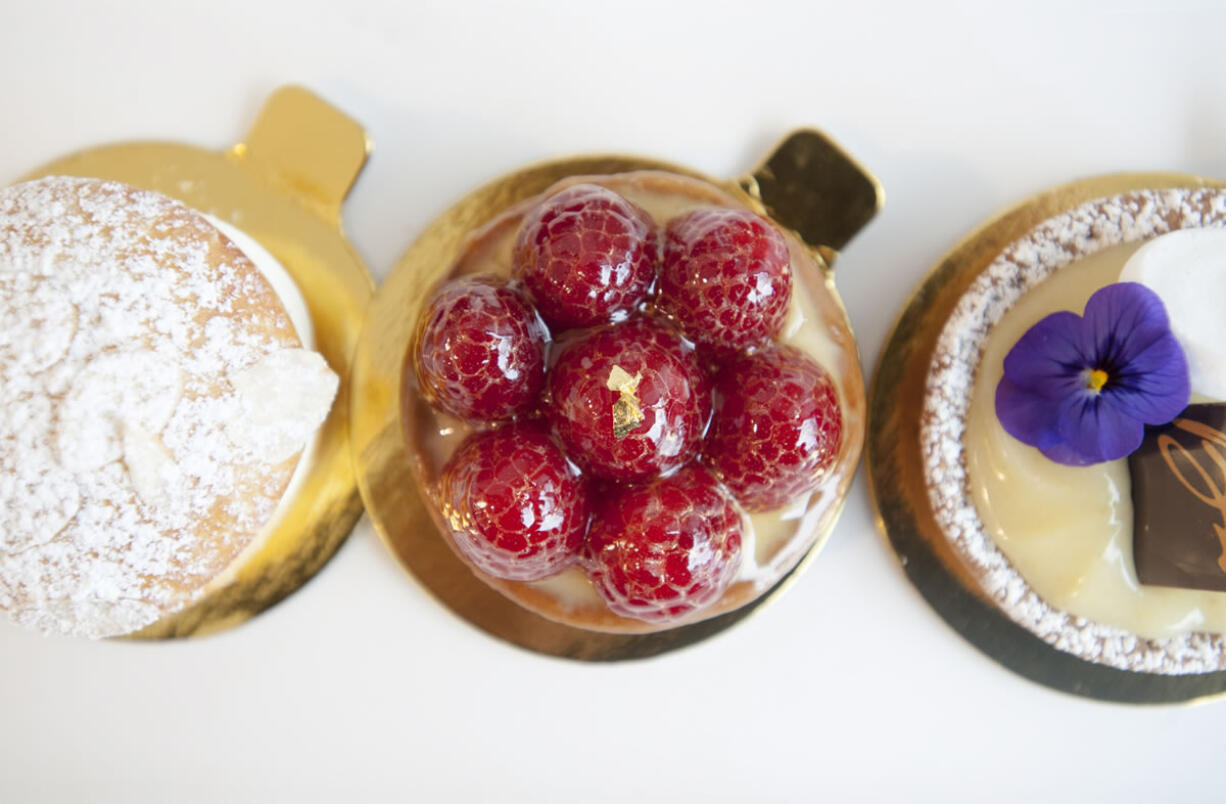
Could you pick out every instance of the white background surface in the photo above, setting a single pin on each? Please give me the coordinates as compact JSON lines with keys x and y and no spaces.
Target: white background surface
{"x":361,"y":687}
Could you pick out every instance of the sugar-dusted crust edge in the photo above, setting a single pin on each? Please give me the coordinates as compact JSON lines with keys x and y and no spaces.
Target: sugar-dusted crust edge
{"x":1022,"y":265}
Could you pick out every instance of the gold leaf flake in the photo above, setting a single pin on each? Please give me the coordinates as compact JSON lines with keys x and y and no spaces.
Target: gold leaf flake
{"x":626,"y":411}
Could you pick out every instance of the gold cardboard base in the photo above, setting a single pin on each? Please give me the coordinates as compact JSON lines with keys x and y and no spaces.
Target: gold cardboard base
{"x":796,"y":184}
{"x":284,"y":187}
{"x":896,"y":478}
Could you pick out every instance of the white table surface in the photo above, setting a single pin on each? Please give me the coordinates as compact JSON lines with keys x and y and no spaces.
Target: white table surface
{"x":360,"y":687}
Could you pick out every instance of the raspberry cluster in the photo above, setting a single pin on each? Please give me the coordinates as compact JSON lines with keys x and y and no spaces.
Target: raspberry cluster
{"x":629,"y":402}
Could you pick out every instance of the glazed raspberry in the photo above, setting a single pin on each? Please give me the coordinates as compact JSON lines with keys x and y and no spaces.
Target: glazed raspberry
{"x":587,"y":255}
{"x":726,"y":278}
{"x":777,"y":427}
{"x":480,"y":351}
{"x":664,"y":550}
{"x":517,"y":509}
{"x":629,"y":400}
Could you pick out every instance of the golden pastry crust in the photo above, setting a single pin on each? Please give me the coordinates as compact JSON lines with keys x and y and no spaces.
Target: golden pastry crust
{"x":127,"y":488}
{"x":569,"y":598}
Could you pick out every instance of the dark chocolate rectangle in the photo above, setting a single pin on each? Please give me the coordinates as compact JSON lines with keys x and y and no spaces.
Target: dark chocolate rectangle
{"x":1179,"y":501}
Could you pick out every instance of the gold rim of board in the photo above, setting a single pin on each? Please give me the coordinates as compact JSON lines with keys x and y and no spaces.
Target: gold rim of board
{"x":896,"y":482}
{"x":282,"y":186}
{"x":799,"y":184}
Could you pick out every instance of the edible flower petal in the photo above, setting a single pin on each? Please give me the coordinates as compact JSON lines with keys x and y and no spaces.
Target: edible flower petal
{"x":1082,"y":388}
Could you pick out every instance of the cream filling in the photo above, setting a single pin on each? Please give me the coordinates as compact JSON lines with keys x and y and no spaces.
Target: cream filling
{"x":1068,"y":530}
{"x":295,"y":305}
{"x":282,"y":283}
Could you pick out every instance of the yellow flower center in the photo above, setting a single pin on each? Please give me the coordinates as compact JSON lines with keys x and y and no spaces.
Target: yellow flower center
{"x":1096,"y":380}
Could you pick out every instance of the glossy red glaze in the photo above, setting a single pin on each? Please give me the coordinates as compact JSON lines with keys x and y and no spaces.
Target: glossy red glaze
{"x":662,"y":551}
{"x":480,"y":350}
{"x":672,"y":393}
{"x":587,"y":256}
{"x":516,"y":508}
{"x":726,"y":279}
{"x":777,"y":427}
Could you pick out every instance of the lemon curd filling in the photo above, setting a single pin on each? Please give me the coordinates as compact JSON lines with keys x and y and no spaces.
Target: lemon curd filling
{"x":1068,"y":530}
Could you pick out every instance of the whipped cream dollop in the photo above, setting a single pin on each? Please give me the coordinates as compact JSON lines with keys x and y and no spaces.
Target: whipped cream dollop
{"x":1187,"y":269}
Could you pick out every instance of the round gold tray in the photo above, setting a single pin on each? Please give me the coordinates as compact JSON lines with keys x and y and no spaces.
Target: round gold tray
{"x":896,"y":479}
{"x":806,"y":184}
{"x":282,"y":186}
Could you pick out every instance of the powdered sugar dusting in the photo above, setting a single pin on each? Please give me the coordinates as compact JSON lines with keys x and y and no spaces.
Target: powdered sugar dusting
{"x":1052,"y":245}
{"x":121,"y":315}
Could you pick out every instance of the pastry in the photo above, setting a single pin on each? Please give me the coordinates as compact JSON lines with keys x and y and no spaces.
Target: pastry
{"x":633,"y":329}
{"x":158,"y":394}
{"x":1082,"y":536}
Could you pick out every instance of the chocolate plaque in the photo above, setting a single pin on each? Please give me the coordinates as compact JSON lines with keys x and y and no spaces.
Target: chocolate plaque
{"x":1179,"y":501}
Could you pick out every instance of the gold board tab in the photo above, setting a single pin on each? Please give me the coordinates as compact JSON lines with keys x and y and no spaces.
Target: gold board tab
{"x":811,"y":185}
{"x":309,"y":146}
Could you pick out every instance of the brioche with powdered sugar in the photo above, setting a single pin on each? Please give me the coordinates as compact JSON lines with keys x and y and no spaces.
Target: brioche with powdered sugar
{"x":138,"y":345}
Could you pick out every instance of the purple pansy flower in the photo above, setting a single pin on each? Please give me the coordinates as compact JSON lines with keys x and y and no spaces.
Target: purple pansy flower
{"x":1082,"y":388}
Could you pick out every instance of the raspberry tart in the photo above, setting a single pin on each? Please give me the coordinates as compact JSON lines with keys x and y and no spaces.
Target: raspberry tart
{"x":1072,"y":433}
{"x":676,"y":317}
